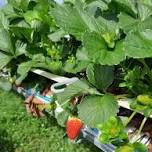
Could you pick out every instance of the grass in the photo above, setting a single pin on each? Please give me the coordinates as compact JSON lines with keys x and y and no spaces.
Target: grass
{"x":22,"y":133}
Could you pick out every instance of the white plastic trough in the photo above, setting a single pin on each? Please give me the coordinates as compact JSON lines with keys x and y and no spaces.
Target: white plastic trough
{"x":122,"y":102}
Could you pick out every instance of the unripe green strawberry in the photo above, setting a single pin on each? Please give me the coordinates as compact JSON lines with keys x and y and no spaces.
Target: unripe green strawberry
{"x":125,"y":148}
{"x":144,"y":99}
{"x":73,"y":127}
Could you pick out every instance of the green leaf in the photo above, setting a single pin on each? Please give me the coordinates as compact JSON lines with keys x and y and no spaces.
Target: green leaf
{"x":19,"y":4}
{"x":42,"y":6}
{"x":147,"y":34}
{"x":127,"y":22}
{"x":23,"y":32}
{"x":75,"y":89}
{"x":38,"y":61}
{"x":94,"y":110}
{"x":5,"y":85}
{"x":98,"y":50}
{"x":20,"y":79}
{"x":62,"y":118}
{"x":68,"y":18}
{"x":32,"y":15}
{"x":107,"y":28}
{"x":134,"y":80}
{"x":82,"y":55}
{"x":38,"y":58}
{"x":94,"y":5}
{"x":5,"y":41}
{"x":138,"y":147}
{"x":128,"y":6}
{"x":147,"y":112}
{"x":74,"y":20}
{"x":20,"y":48}
{"x":107,"y":1}
{"x":52,"y":66}
{"x":90,"y":71}
{"x":24,"y":68}
{"x":100,"y":76}
{"x":144,"y":11}
{"x":146,"y":2}
{"x":4,"y":60}
{"x":4,"y":22}
{"x":38,"y":19}
{"x":113,"y":132}
{"x":57,"y":35}
{"x":138,"y":44}
{"x":9,"y":11}
{"x":135,"y":147}
{"x":146,"y":24}
{"x":21,"y":24}
{"x":75,"y":66}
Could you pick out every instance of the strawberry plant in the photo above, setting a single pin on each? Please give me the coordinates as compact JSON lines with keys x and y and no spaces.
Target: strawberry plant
{"x":113,"y":131}
{"x":107,"y":44}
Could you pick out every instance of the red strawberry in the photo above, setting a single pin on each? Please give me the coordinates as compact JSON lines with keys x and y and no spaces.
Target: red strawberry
{"x":73,"y":127}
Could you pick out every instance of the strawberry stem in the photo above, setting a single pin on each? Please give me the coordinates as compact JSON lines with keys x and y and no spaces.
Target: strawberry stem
{"x":65,"y":103}
{"x":141,"y":126}
{"x":130,"y":118}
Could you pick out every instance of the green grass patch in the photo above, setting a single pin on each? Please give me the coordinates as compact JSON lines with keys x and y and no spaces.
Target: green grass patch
{"x":20,"y":132}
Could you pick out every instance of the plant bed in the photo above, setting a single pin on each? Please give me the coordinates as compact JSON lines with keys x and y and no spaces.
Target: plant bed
{"x":91,"y":134}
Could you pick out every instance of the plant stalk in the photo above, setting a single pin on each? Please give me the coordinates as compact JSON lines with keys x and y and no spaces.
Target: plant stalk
{"x":64,"y":103}
{"x":141,"y":126}
{"x":130,"y":118}
{"x":147,"y":68}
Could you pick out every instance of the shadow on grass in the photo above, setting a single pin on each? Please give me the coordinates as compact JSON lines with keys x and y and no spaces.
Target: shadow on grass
{"x":6,"y":143}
